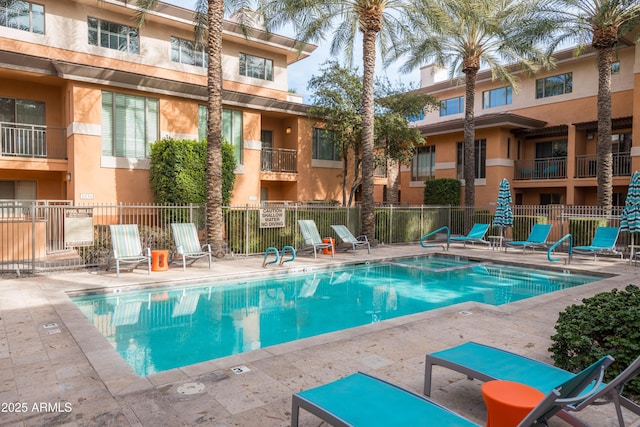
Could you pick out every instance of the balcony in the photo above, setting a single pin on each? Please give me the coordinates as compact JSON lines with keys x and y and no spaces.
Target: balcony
{"x":587,"y":165}
{"x":543,"y":168}
{"x":278,"y":160}
{"x":32,"y":141}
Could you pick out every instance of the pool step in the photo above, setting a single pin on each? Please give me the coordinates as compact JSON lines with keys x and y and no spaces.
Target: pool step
{"x":438,"y":270}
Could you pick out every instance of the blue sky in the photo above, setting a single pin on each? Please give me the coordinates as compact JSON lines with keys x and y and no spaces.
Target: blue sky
{"x":301,"y":72}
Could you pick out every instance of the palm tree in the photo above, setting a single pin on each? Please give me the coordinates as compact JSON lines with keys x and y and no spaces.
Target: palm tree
{"x":375,"y":20}
{"x":209,"y":20}
{"x":465,"y":34}
{"x":603,"y":23}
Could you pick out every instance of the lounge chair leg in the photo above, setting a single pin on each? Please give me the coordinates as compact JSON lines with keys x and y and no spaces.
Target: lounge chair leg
{"x":428,"y":368}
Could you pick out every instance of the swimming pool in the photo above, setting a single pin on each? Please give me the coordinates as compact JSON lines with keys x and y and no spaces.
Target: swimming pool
{"x":157,"y":329}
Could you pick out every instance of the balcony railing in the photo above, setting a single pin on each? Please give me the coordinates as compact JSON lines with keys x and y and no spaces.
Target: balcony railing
{"x":587,"y":165}
{"x":34,"y":141}
{"x":279,"y":160}
{"x":545,"y":168}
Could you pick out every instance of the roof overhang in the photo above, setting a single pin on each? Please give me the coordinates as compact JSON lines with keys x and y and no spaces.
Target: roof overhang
{"x":128,"y":80}
{"x":545,"y":132}
{"x":502,"y":120}
{"x":616,"y":124}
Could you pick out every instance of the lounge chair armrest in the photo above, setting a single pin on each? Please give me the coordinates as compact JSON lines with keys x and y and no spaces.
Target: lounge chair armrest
{"x":147,"y":252}
{"x":363,"y":238}
{"x":206,"y":247}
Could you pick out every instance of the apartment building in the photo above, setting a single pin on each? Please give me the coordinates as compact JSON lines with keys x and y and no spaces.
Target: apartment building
{"x":542,"y":136}
{"x":84,"y":92}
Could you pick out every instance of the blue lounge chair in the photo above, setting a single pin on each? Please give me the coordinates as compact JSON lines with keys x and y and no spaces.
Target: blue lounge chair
{"x":537,"y":238}
{"x":476,"y":235}
{"x":604,"y":242}
{"x":349,"y":239}
{"x":487,"y":363}
{"x":312,"y":237}
{"x":188,"y":248}
{"x":363,"y":400}
{"x":127,"y":249}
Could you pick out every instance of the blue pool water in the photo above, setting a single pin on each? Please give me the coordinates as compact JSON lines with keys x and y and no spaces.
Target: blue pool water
{"x":157,"y":329}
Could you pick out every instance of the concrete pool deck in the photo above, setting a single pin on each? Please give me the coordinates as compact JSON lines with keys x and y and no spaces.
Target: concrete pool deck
{"x":68,"y":374}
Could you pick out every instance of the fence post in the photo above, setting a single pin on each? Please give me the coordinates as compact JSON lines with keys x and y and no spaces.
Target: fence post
{"x":120,"y":213}
{"x":390,"y":225}
{"x":33,"y":236}
{"x":246,"y":221}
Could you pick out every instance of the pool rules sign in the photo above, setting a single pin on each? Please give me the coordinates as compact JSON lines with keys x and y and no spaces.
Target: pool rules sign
{"x":78,"y":227}
{"x":271,"y":218}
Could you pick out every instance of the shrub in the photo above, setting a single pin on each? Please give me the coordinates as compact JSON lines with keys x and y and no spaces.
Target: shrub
{"x":605,"y":324}
{"x":178,"y":172}
{"x":522,"y":225}
{"x":583,"y":229}
{"x":442,"y":192}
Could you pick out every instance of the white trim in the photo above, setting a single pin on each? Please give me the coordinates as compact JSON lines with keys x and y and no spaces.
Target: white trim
{"x":635,"y":151}
{"x":252,"y":144}
{"x":331,"y":164}
{"x":178,"y":136}
{"x":499,"y":162}
{"x":77,"y":128}
{"x":478,"y":181}
{"x":404,"y":168}
{"x":111,"y":162}
{"x":416,"y":184}
{"x":445,"y":165}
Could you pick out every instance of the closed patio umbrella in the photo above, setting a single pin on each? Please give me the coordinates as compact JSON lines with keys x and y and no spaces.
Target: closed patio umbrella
{"x":630,"y":217}
{"x":504,"y":216}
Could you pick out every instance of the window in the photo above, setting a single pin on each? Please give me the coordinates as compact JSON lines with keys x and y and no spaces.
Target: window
{"x":615,"y":67}
{"x":22,"y":15}
{"x":113,"y":36}
{"x":417,"y":117}
{"x":452,"y":106}
{"x":550,"y":198}
{"x":554,"y":85}
{"x":23,"y":128}
{"x":256,"y":67}
{"x":188,"y":52}
{"x":129,"y":125}
{"x":481,"y":159}
{"x":231,"y":128}
{"x":22,"y":111}
{"x":549,"y":149}
{"x":232,"y":131}
{"x":497,"y":97}
{"x":423,"y":164}
{"x":202,"y":122}
{"x":18,"y":190}
{"x":323,"y":146}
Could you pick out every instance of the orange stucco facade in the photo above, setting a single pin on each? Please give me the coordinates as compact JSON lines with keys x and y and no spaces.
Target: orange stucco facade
{"x":545,"y":144}
{"x":67,"y":79}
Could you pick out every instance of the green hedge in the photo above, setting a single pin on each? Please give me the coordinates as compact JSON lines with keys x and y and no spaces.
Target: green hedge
{"x":522,"y":225}
{"x":289,"y":235}
{"x":583,"y":229}
{"x":442,"y":192}
{"x":409,"y":225}
{"x":101,"y":251}
{"x":605,"y":324}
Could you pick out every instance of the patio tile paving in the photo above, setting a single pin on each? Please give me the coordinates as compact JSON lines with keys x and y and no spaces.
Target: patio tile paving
{"x":79,"y":367}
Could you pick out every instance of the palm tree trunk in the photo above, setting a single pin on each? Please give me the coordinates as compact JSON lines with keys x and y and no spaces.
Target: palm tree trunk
{"x":605,"y":159}
{"x":214,"y":128}
{"x":469,"y":145}
{"x":393,"y":181}
{"x":369,"y":59}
